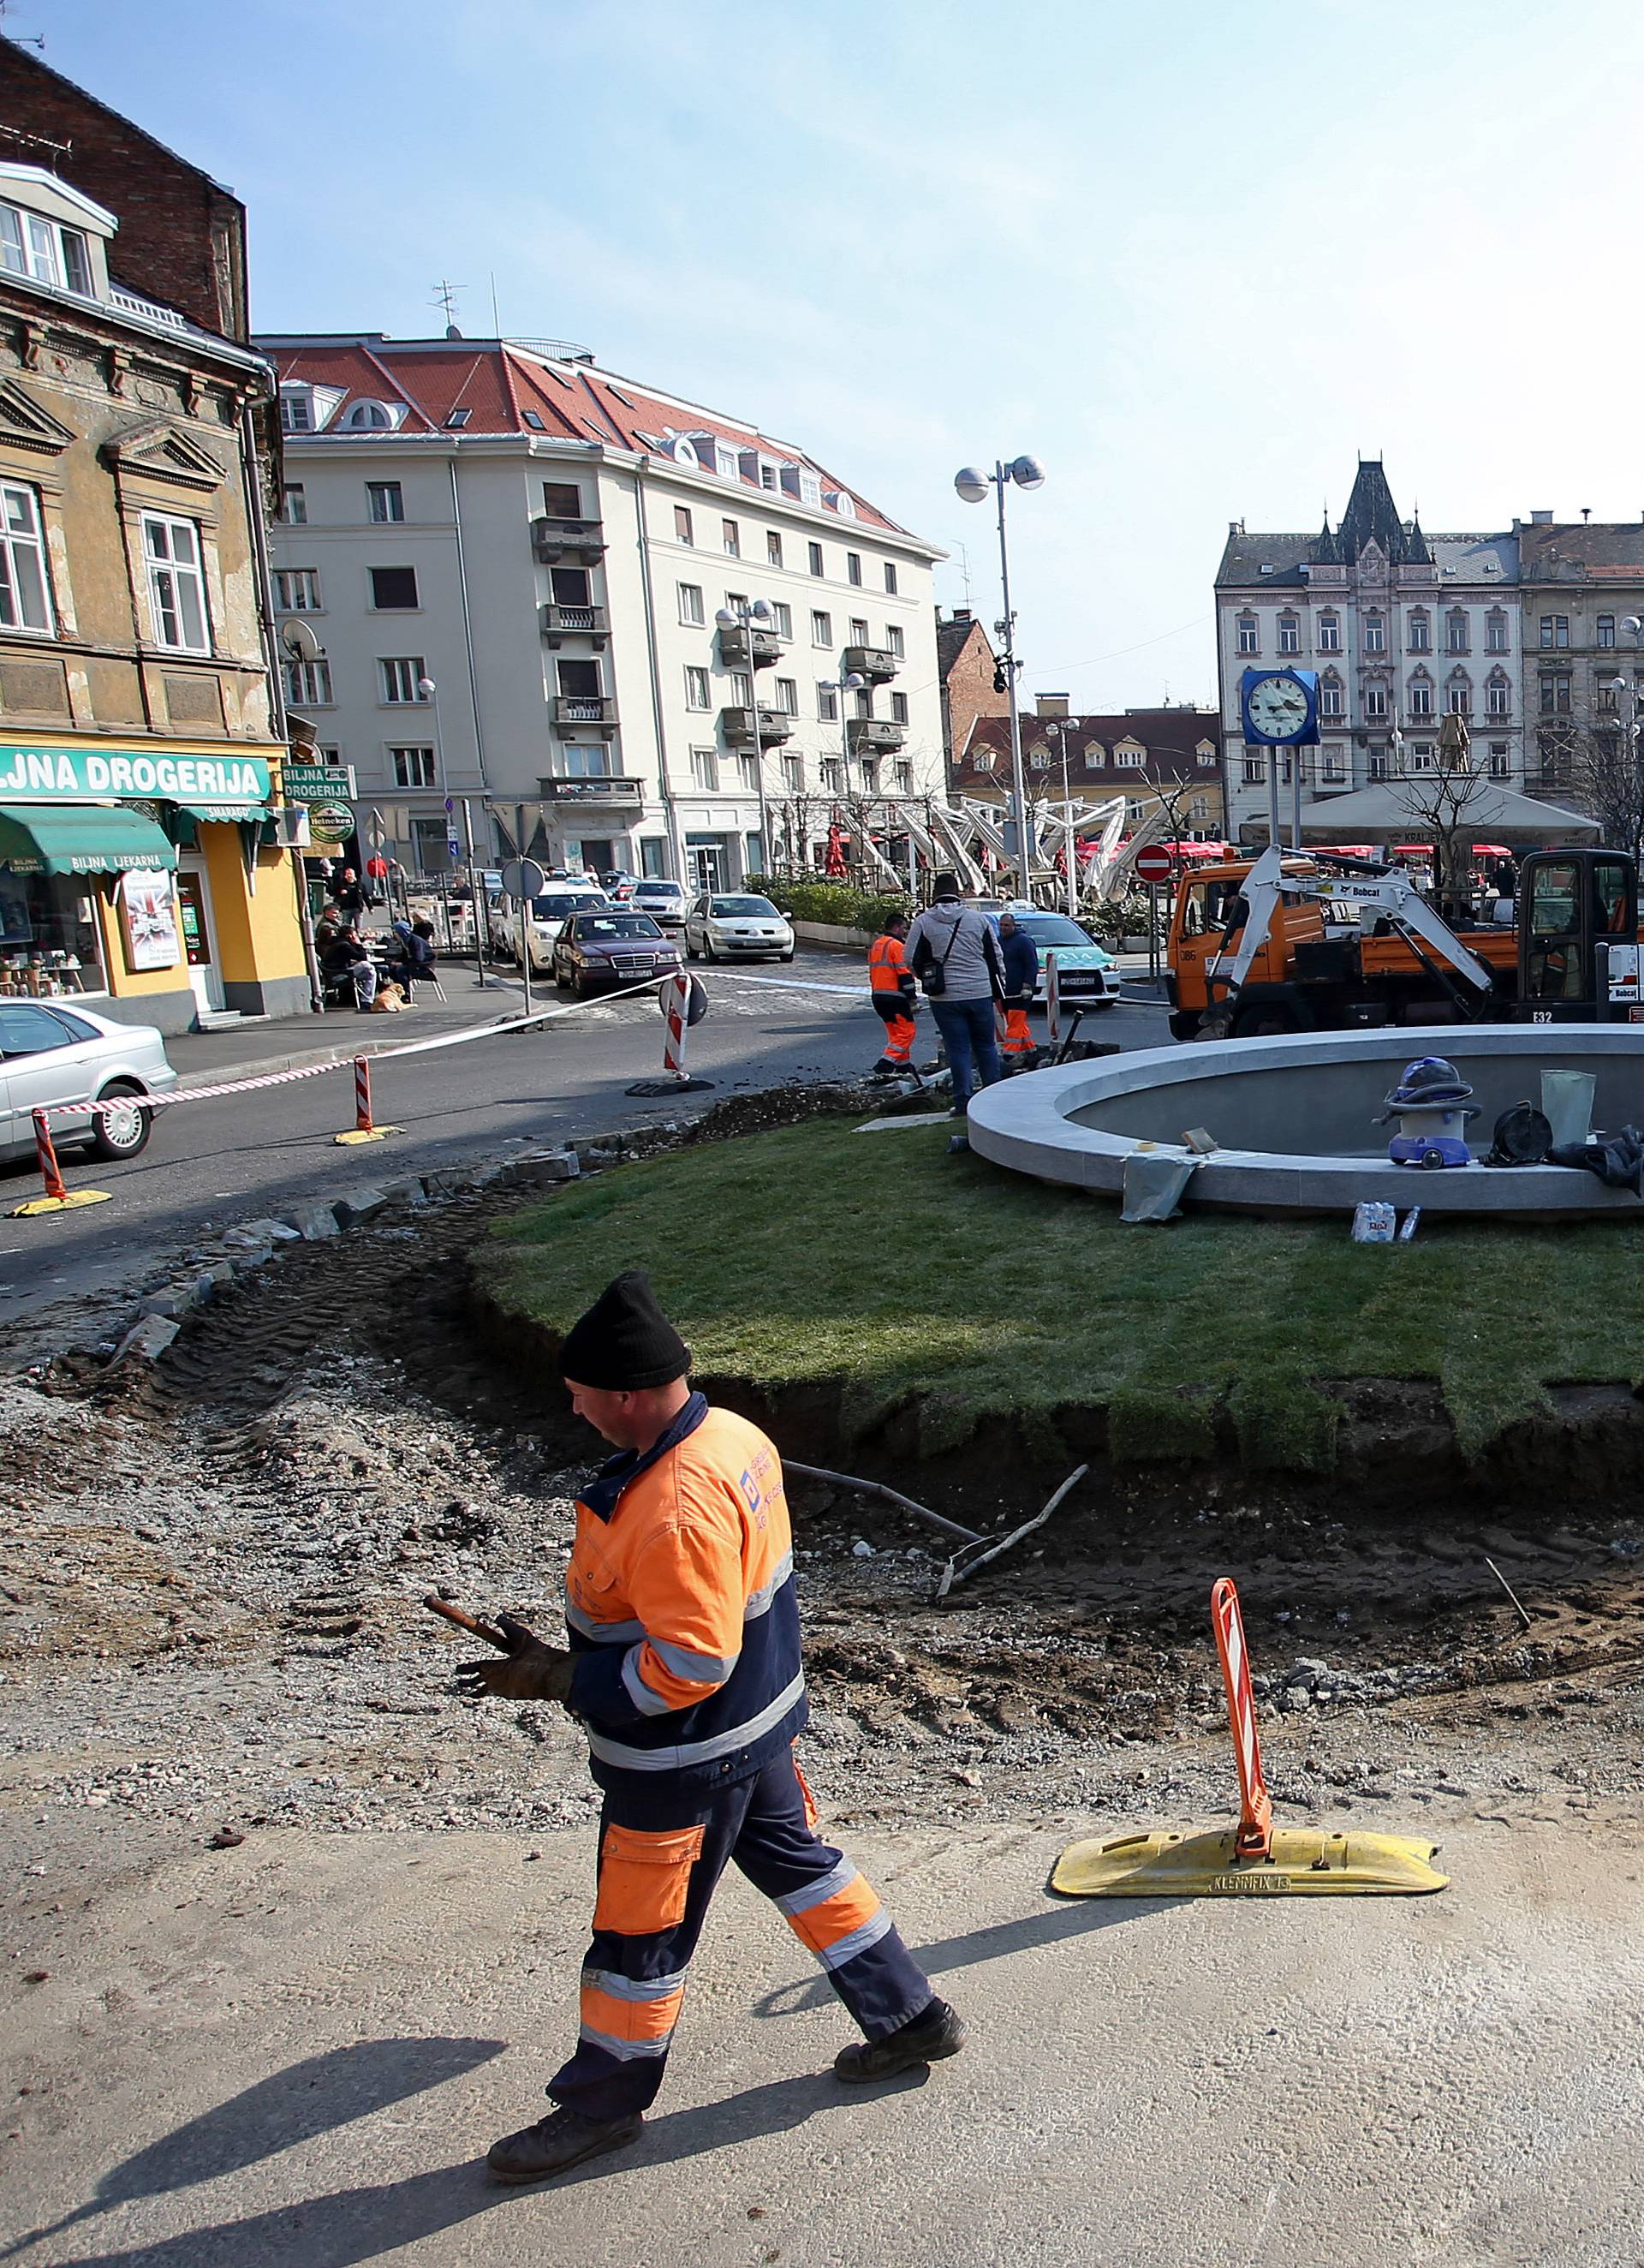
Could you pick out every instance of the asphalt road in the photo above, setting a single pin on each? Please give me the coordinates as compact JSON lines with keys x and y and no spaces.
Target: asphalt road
{"x":211,"y":1164}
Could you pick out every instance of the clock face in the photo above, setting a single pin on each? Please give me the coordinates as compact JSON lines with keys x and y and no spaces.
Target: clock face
{"x":1278,"y":707}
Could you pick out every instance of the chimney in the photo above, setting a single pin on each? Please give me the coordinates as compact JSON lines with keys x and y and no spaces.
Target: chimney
{"x":1050,"y":704}
{"x":961,"y":614}
{"x":1541,"y":519}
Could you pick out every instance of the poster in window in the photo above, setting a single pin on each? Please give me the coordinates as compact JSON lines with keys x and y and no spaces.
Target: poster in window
{"x":148,"y":921}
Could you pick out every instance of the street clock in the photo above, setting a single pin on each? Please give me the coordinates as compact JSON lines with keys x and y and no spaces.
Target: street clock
{"x":1279,"y":707}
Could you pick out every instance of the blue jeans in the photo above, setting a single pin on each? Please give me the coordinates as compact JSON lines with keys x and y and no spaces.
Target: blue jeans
{"x":967,"y":1029}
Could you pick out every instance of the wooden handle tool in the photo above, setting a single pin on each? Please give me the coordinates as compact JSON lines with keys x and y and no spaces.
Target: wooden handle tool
{"x":489,"y":1631}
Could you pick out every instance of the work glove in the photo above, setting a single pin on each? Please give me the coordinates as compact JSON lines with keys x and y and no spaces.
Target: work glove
{"x":529,"y":1671}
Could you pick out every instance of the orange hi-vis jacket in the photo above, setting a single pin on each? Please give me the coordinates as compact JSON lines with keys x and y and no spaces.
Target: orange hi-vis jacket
{"x":887,"y":966}
{"x":680,"y":1601}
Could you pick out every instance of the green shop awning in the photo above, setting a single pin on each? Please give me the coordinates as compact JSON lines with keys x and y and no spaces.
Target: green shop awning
{"x":47,"y":838}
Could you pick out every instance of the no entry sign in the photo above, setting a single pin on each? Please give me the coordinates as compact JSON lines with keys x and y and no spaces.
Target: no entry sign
{"x":1153,"y":866}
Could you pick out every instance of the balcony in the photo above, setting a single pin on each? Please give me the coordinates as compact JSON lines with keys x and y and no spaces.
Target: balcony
{"x":748,"y":646}
{"x":869,"y":736}
{"x":561,"y":622}
{"x":876,"y":663}
{"x":556,"y":540}
{"x":737,"y":724}
{"x":570,"y":710}
{"x":607,"y":788}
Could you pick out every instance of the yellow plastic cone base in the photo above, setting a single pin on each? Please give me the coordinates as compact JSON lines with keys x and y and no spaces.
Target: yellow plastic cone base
{"x":1306,"y":1862}
{"x":61,"y":1205}
{"x":368,"y":1134}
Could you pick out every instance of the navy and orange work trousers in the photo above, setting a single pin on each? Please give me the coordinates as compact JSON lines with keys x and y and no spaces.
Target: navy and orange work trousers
{"x":660,"y":1860}
{"x":1016,"y":1039}
{"x":895,"y":1014}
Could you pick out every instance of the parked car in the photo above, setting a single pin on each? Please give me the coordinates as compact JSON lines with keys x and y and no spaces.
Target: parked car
{"x":1087,"y":974}
{"x":662,"y":900}
{"x":540,"y":921}
{"x":50,"y":1052}
{"x":594,"y":951}
{"x":723,"y":927}
{"x":618,"y":886}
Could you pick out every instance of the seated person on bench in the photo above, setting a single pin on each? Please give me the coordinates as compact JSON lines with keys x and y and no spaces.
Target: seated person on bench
{"x":415,"y":962}
{"x":345,"y":961}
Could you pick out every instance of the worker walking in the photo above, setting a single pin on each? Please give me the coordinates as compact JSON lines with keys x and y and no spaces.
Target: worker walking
{"x":895,"y":995}
{"x":1020,"y":956}
{"x":953,"y":952}
{"x":685,"y":1668}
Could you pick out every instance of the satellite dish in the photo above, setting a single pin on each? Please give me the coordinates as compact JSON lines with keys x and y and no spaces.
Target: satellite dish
{"x":299,"y":642}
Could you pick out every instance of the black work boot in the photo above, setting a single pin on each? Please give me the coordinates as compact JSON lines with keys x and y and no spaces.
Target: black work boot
{"x":557,"y":2143}
{"x":938,"y":2031}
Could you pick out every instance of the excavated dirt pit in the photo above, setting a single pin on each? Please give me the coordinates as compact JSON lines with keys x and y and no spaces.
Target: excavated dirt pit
{"x":209,"y":1605}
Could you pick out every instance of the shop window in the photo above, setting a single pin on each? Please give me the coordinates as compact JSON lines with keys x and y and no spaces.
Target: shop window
{"x":48,"y":938}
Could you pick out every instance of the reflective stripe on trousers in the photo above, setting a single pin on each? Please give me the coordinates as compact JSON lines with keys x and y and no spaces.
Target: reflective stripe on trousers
{"x":659,"y":1864}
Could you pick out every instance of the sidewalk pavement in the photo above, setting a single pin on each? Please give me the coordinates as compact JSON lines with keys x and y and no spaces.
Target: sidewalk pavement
{"x":290,"y":1043}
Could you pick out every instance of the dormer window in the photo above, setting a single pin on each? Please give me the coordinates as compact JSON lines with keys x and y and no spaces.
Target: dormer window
{"x":31,"y":244}
{"x":297,"y":409}
{"x":368,"y":416}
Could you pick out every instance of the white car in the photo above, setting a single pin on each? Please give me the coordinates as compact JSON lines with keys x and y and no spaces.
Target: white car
{"x":55,"y":1052}
{"x":534,"y":928}
{"x":722,"y":925}
{"x":664,"y":900}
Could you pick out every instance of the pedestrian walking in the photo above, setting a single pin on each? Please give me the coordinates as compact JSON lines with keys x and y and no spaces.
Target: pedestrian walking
{"x":894,"y":993}
{"x":1020,"y":956}
{"x":954,"y":954}
{"x":684,"y":1667}
{"x":348,"y":896}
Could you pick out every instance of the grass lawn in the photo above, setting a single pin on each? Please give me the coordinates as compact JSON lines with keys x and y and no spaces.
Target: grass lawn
{"x":881,"y":1263}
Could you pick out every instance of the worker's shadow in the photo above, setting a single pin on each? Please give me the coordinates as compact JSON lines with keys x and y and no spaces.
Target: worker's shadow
{"x":997,"y":1942}
{"x":295,"y":2105}
{"x":353,"y":2226}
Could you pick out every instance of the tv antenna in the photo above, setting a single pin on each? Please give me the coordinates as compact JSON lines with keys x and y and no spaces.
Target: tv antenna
{"x":445,"y":297}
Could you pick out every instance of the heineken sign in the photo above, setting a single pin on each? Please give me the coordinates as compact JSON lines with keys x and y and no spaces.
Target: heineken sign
{"x":36,"y":774}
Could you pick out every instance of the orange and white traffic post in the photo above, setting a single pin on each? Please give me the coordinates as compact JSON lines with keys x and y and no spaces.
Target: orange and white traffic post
{"x":1254,"y":1839}
{"x":59,"y":1196}
{"x":676,"y":1013}
{"x":365,"y":1128}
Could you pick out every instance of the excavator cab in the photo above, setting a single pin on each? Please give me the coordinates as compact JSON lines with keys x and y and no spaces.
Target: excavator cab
{"x":1578,"y":937}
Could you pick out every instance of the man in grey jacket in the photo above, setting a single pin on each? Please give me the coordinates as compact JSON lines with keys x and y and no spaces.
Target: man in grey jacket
{"x":953,"y":950}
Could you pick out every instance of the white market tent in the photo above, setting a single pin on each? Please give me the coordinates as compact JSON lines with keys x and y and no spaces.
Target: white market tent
{"x":1383,"y":814}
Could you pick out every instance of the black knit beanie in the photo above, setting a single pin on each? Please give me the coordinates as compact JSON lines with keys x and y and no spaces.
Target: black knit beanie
{"x":624,"y":1342}
{"x":945,"y":886}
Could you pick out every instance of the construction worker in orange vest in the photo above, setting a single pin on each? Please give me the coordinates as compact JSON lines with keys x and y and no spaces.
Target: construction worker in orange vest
{"x":895,"y":995}
{"x":1020,"y":955}
{"x":684,"y":1667}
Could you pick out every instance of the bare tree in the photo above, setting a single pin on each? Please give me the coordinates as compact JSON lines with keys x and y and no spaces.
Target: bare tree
{"x":1449,"y":804}
{"x":1599,"y":765}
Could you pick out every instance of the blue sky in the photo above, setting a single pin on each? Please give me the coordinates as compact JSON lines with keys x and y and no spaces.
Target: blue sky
{"x":1194,"y":258}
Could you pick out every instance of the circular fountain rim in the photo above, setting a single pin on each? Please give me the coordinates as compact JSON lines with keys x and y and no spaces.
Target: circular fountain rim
{"x":1026,"y":1124}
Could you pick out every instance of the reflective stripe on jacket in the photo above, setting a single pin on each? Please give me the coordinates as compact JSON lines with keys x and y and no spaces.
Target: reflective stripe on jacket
{"x":887,"y":966}
{"x":681,"y":1610}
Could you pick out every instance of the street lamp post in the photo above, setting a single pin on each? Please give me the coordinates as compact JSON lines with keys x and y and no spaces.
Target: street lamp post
{"x":747,"y":620}
{"x":848,"y":681}
{"x":972,"y":485}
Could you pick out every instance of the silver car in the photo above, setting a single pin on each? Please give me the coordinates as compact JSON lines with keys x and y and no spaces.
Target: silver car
{"x":52,"y":1051}
{"x":661,"y":899}
{"x":722,"y":924}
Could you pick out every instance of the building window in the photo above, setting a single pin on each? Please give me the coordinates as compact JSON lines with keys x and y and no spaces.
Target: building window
{"x":413,"y":767}
{"x":561,"y":499}
{"x":741,"y":688}
{"x":296,"y":590}
{"x":1422,"y":756}
{"x":1330,"y":701}
{"x":1496,"y":631}
{"x":1499,"y":767}
{"x":904,"y":778}
{"x":176,"y":584}
{"x":1290,"y":634}
{"x":705,"y":768}
{"x":1132,"y":759}
{"x":894,"y":641}
{"x":827,"y":702}
{"x":1375,"y":700}
{"x":696,"y":693}
{"x":1374,"y":634}
{"x":832,"y":771}
{"x":864,"y":701}
{"x":733,"y":539}
{"x":858,"y":632}
{"x":24,"y":591}
{"x":782,"y":619}
{"x":401,"y":676}
{"x":772,"y":548}
{"x":1247,"y":638}
{"x":1456,"y":631}
{"x":1606,"y":629}
{"x":1555,"y":695}
{"x":293,"y":504}
{"x":749,"y":768}
{"x":394,"y":589}
{"x":853,"y":567}
{"x":30,"y":245}
{"x":1375,"y":765}
{"x":691,"y":609}
{"x":307,"y":683}
{"x":982,"y":759}
{"x":384,"y":500}
{"x":898,"y":708}
{"x":1421,"y":701}
{"x":1555,"y":632}
{"x":1332,"y":768}
{"x":682,"y":525}
{"x":1498,"y":697}
{"x":297,"y":409}
{"x":1605,"y":692}
{"x":1255,"y":771}
{"x":1329,"y":634}
{"x":889,"y":578}
{"x":1420,"y":639}
{"x":1092,"y":755}
{"x":821,"y":630}
{"x":1458,"y":699}
{"x":788,"y":695}
{"x":816,"y":558}
{"x":793,"y":774}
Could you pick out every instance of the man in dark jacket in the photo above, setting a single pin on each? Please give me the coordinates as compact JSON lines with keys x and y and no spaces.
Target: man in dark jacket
{"x":1020,"y":955}
{"x":683,"y":1668}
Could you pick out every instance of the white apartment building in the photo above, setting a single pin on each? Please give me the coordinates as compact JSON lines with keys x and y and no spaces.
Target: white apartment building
{"x":548,"y":545}
{"x":1400,"y":626}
